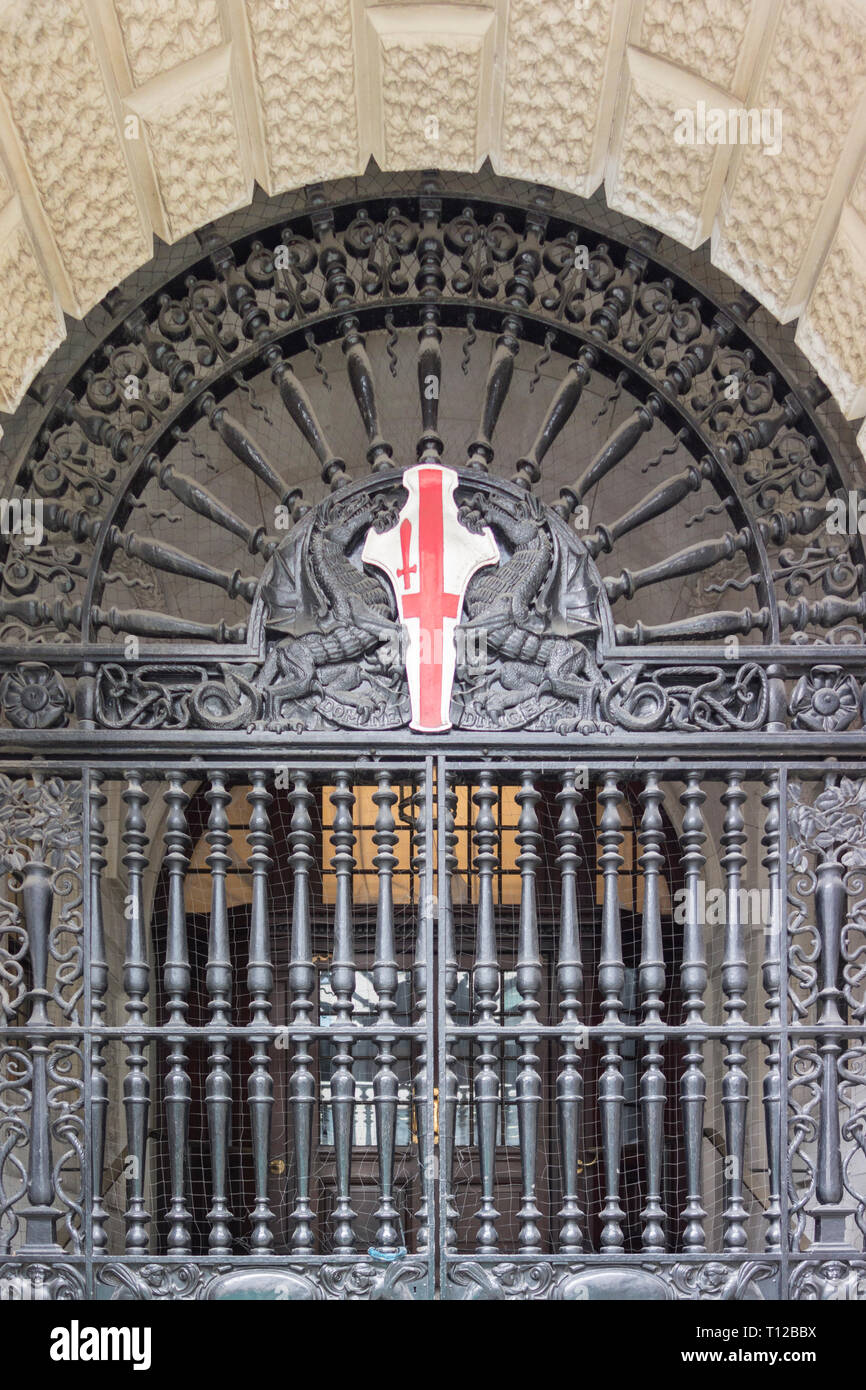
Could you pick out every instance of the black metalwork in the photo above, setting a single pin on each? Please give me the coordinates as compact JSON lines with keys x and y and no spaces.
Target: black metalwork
{"x":226,"y":700}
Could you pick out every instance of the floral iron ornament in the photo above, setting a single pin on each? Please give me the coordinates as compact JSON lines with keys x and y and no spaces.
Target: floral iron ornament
{"x":33,"y":696}
{"x":825,"y":699}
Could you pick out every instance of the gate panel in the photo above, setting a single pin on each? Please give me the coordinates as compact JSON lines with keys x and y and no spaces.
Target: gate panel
{"x":611,"y":1115}
{"x":255,"y":1101}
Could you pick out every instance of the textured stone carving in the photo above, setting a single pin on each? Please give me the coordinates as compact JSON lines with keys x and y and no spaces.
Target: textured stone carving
{"x":435,"y":78}
{"x":831,"y":330}
{"x":196,"y":153}
{"x":162,"y":33}
{"x":655,"y":179}
{"x":698,"y":35}
{"x":303,"y":140}
{"x":815,"y":74}
{"x":554,"y":90}
{"x":30,"y":322}
{"x":53,"y":84}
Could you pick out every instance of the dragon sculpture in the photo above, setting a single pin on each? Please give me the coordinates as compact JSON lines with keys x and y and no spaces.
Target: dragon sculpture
{"x":510,"y":605}
{"x":339,"y":662}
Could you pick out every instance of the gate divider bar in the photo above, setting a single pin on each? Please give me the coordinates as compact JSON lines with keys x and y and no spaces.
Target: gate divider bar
{"x":786,"y":1032}
{"x":87,"y":886}
{"x":431,"y":1039}
{"x":442,"y":888}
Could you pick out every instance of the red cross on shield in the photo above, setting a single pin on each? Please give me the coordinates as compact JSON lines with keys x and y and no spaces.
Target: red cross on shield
{"x":430,"y":557}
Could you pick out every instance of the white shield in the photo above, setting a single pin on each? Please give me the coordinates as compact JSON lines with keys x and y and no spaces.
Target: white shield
{"x":430,"y":557}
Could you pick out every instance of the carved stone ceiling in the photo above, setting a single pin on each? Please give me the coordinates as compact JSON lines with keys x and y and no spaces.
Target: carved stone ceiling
{"x":125,"y":119}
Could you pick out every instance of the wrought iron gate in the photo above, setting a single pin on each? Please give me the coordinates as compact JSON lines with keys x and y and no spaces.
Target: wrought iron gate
{"x":307,"y":995}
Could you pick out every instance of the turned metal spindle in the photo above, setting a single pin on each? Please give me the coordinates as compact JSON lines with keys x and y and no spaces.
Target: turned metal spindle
{"x":655,"y":503}
{"x":429,"y":383}
{"x":385,"y":1085}
{"x":448,"y":1086}
{"x":200,"y":499}
{"x":302,"y":980}
{"x":260,"y":983}
{"x":218,"y":975}
{"x":496,"y":390}
{"x":611,"y":980}
{"x":528,"y":979}
{"x":771,"y":971}
{"x":35,"y":882}
{"x":343,"y":985}
{"x":98,"y":988}
{"x":735,"y":979}
{"x":300,"y":408}
{"x":569,"y":981}
{"x":616,"y":447}
{"x":693,"y":982}
{"x":557,"y":416}
{"x":651,"y":980}
{"x":176,"y":982}
{"x":485,"y":987}
{"x":248,"y":451}
{"x":360,"y":373}
{"x":831,"y":902}
{"x":136,"y":981}
{"x":421,"y":1078}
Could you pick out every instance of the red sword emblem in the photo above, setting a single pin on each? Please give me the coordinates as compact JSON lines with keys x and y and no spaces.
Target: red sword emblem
{"x":429,"y":557}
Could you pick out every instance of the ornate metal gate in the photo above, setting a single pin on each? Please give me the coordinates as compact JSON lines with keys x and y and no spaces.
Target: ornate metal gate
{"x":377,"y":926}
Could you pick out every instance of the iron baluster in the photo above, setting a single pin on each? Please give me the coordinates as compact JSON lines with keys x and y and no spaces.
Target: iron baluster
{"x":385,"y":1086}
{"x":772,"y":980}
{"x":569,"y":980}
{"x":448,"y":1085}
{"x":98,"y":988}
{"x":693,"y":982}
{"x":485,"y":987}
{"x":176,"y":982}
{"x":302,"y":980}
{"x":248,"y":451}
{"x":40,"y":1215}
{"x":429,"y":383}
{"x":218,"y":1086}
{"x":611,"y":980}
{"x":496,"y":390}
{"x":343,"y":985}
{"x":651,"y":979}
{"x":421,"y":867}
{"x":528,"y":978}
{"x":260,"y":983}
{"x":830,"y":913}
{"x":136,"y":980}
{"x":735,"y":979}
{"x":360,"y":373}
{"x":559,"y":412}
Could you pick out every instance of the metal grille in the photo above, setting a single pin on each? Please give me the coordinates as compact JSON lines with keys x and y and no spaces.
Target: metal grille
{"x":564,"y":1003}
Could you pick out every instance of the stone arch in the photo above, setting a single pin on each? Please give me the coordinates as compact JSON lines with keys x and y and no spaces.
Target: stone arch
{"x":119,"y":123}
